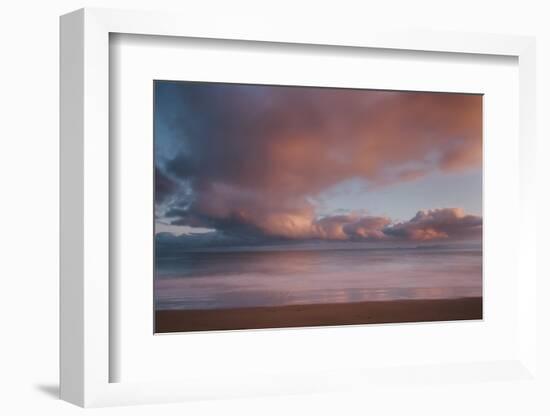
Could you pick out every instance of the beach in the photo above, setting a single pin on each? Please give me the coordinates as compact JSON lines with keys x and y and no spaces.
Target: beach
{"x":368,"y":312}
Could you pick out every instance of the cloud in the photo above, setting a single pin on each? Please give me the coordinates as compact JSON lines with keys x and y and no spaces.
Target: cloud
{"x":438,"y":224}
{"x":250,"y":160}
{"x":367,"y":228}
{"x":164,"y":186}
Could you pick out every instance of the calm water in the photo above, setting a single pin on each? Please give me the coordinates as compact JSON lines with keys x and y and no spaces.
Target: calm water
{"x":239,"y":279}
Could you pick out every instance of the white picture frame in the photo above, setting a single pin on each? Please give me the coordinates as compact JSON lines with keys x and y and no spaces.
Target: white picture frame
{"x":85,"y":210}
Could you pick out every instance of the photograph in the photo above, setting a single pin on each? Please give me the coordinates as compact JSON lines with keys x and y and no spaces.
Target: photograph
{"x":282,"y":206}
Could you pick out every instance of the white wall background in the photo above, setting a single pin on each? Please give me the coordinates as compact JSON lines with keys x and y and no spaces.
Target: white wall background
{"x":29,"y":208}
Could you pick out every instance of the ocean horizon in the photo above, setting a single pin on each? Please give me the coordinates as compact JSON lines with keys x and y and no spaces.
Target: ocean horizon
{"x":248,"y":277}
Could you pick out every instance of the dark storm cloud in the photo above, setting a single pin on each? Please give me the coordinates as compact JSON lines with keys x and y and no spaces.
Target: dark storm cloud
{"x":249,"y":158}
{"x":164,"y":186}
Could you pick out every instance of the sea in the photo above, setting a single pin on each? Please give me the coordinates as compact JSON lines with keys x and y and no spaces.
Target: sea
{"x":251,"y":278}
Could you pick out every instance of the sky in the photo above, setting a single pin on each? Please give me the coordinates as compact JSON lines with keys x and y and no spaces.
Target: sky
{"x":240,"y":165}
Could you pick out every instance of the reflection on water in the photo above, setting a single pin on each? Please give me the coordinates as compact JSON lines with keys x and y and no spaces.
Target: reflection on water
{"x":268,"y":278}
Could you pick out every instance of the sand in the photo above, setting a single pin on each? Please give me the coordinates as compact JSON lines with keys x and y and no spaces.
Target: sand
{"x":319,"y":314}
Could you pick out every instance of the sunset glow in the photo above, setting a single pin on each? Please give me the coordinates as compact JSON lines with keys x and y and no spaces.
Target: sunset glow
{"x":259,"y":160}
{"x":275,"y":203}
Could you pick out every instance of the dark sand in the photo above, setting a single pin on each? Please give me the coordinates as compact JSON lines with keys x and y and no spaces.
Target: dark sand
{"x":319,"y":314}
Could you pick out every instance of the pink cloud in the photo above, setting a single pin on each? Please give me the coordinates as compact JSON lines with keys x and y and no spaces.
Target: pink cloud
{"x":252,"y":161}
{"x":438,"y":224}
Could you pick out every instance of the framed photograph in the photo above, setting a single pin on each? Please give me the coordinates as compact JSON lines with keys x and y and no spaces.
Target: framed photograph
{"x":262,"y":211}
{"x":288,"y":206}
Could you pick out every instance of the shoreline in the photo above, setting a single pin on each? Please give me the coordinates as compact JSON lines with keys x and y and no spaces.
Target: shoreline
{"x":311,"y":315}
